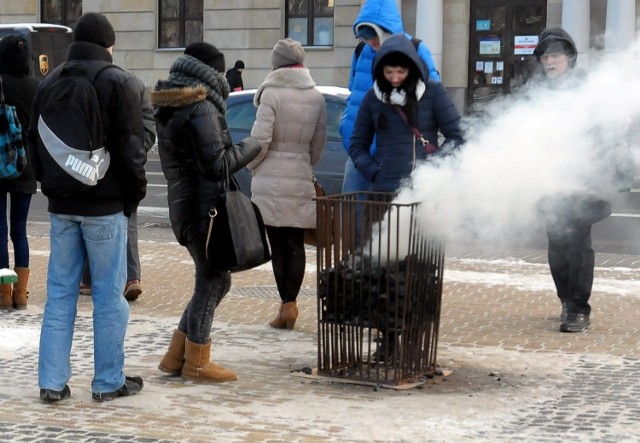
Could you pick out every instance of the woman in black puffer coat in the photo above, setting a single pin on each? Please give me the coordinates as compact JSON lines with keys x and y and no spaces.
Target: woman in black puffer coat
{"x":194,"y":145}
{"x":19,"y":89}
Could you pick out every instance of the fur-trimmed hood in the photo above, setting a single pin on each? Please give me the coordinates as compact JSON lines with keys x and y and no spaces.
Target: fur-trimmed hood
{"x":175,"y":97}
{"x":295,"y":77}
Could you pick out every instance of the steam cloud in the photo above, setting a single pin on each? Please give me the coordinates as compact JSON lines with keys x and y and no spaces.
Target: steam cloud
{"x":531,"y":145}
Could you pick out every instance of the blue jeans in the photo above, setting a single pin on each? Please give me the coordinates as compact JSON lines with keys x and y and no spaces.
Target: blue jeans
{"x":18,"y":229}
{"x":133,"y":257}
{"x":353,"y":181}
{"x":101,"y":240}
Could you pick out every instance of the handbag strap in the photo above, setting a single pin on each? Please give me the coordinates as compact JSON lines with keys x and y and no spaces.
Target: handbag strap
{"x":428,"y":146}
{"x":213,"y":212}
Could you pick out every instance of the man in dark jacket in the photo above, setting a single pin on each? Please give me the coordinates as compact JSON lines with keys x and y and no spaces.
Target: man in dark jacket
{"x":133,"y":287}
{"x":92,"y":224}
{"x":569,"y":217}
{"x":234,"y":76}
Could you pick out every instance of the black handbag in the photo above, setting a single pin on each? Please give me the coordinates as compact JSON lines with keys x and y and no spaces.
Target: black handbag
{"x":236,"y":238}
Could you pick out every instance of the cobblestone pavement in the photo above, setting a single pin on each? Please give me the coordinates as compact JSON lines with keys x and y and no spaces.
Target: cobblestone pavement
{"x":513,"y":376}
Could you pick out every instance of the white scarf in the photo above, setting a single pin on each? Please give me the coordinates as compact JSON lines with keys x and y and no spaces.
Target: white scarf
{"x":399,"y":97}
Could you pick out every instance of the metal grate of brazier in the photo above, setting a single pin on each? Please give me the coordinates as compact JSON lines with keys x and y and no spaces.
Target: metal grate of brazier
{"x":379,"y":290}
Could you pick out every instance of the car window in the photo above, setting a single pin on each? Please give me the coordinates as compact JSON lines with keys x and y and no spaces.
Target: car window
{"x":335,"y":109}
{"x":241,"y":115}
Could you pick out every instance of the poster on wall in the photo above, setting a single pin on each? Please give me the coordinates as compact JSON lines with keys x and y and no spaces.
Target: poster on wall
{"x":489,"y":46}
{"x":524,"y":44}
{"x":483,"y":25}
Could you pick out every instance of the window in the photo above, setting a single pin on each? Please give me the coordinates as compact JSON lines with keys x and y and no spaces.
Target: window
{"x":61,"y":12}
{"x":180,"y":23}
{"x":310,"y":21}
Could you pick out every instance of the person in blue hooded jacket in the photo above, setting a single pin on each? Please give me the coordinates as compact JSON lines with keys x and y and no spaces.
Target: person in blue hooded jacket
{"x":402,"y":97}
{"x":377,"y":20}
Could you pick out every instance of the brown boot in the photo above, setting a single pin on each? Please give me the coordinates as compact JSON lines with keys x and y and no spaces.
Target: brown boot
{"x":286,"y":318}
{"x":198,"y":367}
{"x":173,"y":359}
{"x":20,"y":293}
{"x":6,"y":300}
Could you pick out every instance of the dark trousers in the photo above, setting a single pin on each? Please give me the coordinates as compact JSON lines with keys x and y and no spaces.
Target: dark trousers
{"x":288,"y":260}
{"x":17,"y":229}
{"x":572,"y":260}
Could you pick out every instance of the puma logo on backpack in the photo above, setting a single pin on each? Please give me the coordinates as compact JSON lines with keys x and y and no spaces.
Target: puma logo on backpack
{"x":72,"y":141}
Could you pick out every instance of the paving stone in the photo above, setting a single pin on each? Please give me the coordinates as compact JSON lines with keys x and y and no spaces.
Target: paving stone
{"x":499,"y":316}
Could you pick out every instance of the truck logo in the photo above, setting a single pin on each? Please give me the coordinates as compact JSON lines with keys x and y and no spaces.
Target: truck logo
{"x":44,"y":64}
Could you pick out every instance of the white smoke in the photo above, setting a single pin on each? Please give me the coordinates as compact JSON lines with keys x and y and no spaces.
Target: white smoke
{"x":531,"y":145}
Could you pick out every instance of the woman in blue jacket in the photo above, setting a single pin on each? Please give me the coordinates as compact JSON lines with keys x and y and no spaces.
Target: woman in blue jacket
{"x":402,"y":97}
{"x":377,"y":20}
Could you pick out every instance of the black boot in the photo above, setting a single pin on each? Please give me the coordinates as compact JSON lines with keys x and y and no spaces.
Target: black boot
{"x":575,"y":323}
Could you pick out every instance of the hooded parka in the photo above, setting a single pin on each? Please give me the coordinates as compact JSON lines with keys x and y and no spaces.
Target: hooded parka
{"x":385,"y":18}
{"x":397,"y":150}
{"x":194,"y":146}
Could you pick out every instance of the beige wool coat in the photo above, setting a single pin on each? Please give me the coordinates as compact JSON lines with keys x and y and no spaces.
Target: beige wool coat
{"x":291,"y":125}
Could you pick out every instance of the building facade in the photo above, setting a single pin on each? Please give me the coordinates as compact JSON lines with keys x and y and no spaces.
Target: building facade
{"x":483,"y":48}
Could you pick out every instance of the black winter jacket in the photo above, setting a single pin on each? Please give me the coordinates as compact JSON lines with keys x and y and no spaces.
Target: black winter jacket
{"x":194,"y":142}
{"x":124,"y":184}
{"x":19,"y":89}
{"x":234,"y":78}
{"x":396,"y":153}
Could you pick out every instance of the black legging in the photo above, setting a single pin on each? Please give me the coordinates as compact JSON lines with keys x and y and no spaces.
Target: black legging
{"x":288,"y":260}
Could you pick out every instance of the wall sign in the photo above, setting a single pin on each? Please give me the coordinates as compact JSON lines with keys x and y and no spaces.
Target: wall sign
{"x":489,"y":47}
{"x":483,"y":25}
{"x":524,"y":44}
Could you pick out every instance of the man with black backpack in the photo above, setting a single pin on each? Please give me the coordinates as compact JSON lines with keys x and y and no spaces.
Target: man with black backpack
{"x":87,"y":138}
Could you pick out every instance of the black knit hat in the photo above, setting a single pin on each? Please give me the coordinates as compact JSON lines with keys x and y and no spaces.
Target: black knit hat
{"x":13,"y":55}
{"x":94,"y":28}
{"x":208,"y":54}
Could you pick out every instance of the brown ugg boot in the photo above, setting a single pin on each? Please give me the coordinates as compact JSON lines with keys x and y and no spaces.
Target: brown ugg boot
{"x":6,"y":296}
{"x":20,"y":293}
{"x":286,"y":318}
{"x":173,"y":359}
{"x":198,"y":367}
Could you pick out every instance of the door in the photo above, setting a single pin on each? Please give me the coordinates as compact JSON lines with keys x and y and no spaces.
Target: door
{"x":502,"y":37}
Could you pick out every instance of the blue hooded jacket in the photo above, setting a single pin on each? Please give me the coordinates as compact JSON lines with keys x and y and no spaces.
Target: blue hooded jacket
{"x":385,"y":14}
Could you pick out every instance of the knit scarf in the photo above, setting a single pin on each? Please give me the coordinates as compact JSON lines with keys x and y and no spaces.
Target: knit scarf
{"x":399,"y":97}
{"x":189,"y":71}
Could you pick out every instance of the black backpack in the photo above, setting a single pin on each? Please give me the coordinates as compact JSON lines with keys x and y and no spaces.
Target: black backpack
{"x":72,"y":140}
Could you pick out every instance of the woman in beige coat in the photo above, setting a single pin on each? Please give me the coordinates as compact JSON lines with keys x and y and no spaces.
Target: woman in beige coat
{"x":291,"y":126}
